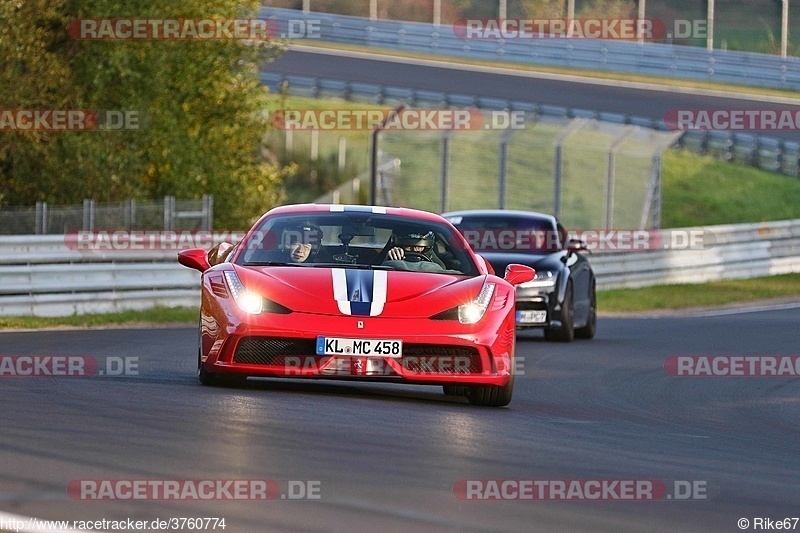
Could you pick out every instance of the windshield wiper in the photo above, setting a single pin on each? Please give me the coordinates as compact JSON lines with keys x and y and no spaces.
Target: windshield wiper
{"x":270,"y":263}
{"x":349,"y":265}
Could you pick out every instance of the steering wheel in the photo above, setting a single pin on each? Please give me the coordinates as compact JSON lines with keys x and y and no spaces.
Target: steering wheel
{"x":419,"y":256}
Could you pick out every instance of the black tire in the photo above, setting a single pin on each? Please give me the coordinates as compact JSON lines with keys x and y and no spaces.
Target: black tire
{"x":588,"y":331}
{"x":219,"y":380}
{"x":455,"y":390}
{"x":566,"y":332}
{"x":491,"y":395}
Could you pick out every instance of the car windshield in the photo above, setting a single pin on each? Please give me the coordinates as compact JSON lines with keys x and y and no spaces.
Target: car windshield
{"x":357,"y":240}
{"x":509,"y":234}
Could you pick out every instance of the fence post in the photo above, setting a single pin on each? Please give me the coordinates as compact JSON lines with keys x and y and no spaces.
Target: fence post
{"x":41,"y":218}
{"x":611,"y":174}
{"x":314,"y":145}
{"x":502,"y":171}
{"x":445,"y":170}
{"x":169,"y":213}
{"x":342,"y":153}
{"x":208,"y":212}
{"x":88,"y":215}
{"x":130,"y":214}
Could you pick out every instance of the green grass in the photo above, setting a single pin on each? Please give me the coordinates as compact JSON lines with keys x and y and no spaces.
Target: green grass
{"x":701,"y":191}
{"x":709,"y":294}
{"x":158,"y":315}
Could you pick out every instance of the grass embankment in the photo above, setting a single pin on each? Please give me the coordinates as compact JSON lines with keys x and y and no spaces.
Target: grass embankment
{"x":157,"y":316}
{"x":711,"y":294}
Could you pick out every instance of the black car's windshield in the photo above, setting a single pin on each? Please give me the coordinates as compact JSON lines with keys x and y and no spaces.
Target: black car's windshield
{"x":509,"y":234}
{"x":357,"y":240}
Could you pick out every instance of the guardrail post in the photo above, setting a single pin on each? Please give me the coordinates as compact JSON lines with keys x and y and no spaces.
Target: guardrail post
{"x":445,"y":170}
{"x":88,"y":215}
{"x":169,"y":213}
{"x":437,"y":13}
{"x":306,"y":6}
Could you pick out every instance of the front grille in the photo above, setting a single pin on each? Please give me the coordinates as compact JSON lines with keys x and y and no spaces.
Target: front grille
{"x":271,"y":351}
{"x":417,"y":358}
{"x":441,"y":359}
{"x":532,"y":306}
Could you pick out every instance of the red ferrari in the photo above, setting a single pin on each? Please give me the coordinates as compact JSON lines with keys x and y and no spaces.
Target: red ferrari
{"x":357,"y":292}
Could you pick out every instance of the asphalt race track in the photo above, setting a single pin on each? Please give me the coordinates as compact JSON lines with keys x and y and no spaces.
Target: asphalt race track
{"x":387,"y":457}
{"x":611,"y":97}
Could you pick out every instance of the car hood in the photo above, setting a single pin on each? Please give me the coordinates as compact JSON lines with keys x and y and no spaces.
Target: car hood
{"x":357,"y":292}
{"x":540,"y":262}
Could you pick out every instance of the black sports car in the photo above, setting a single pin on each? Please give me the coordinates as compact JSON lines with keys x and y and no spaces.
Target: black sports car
{"x":561,"y":299}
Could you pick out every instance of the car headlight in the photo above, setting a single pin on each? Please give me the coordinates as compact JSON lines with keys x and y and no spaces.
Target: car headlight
{"x":542,"y":280}
{"x":472,"y":312}
{"x":248,"y":301}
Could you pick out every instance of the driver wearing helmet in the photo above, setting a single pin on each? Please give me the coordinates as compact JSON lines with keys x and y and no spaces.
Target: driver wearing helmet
{"x":417,"y":243}
{"x":301,"y":242}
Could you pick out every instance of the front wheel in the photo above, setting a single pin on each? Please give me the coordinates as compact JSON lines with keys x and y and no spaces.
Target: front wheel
{"x":491,"y":395}
{"x":216,"y":380}
{"x":566,"y":332}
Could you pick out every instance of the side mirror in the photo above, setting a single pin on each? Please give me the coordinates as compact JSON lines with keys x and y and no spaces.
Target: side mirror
{"x":219,"y":253}
{"x":195,"y":258}
{"x":576,"y":245}
{"x":516,"y":274}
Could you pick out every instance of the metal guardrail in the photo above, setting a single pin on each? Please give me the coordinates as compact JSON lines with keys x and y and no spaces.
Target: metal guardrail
{"x":31,"y":284}
{"x":656,"y":59}
{"x":738,"y":251}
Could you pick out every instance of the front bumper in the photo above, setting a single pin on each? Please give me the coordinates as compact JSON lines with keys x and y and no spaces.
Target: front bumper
{"x":280,"y":346}
{"x":537,"y":310}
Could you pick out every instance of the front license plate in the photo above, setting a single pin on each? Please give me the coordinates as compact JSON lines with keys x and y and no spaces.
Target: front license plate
{"x":359,"y":347}
{"x":531,"y":317}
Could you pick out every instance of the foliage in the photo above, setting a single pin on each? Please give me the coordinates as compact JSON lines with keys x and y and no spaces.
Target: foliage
{"x":201,"y":105}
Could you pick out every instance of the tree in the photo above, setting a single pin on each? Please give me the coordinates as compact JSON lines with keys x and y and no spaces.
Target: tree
{"x":201,"y":102}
